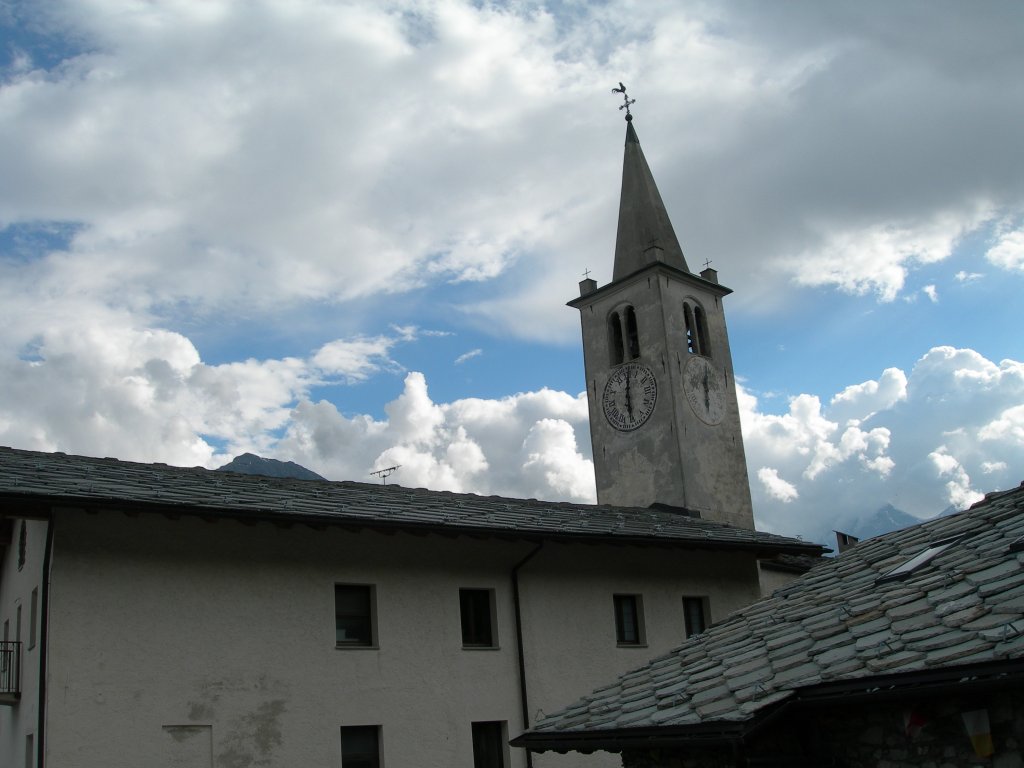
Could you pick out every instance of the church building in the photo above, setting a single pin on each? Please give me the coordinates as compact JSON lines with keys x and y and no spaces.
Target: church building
{"x":168,"y":617}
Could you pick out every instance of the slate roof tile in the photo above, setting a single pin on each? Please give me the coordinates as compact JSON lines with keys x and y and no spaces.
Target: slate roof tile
{"x":838,"y":624}
{"x":82,"y":481}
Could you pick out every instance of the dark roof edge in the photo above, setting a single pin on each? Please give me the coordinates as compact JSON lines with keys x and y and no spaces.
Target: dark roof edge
{"x":617,"y":739}
{"x":961,"y":679}
{"x":984,"y":674}
{"x":336,"y":521}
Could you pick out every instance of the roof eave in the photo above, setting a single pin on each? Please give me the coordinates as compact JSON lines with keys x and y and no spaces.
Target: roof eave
{"x":38,"y":506}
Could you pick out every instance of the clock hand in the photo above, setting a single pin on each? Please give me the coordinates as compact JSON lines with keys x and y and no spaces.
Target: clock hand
{"x":707,"y":396}
{"x":629,"y":399}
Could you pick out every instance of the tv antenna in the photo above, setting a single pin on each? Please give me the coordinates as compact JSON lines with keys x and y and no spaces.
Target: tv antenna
{"x":387,"y":472}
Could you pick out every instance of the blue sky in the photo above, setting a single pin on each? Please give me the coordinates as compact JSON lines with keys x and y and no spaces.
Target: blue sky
{"x":344,"y":234}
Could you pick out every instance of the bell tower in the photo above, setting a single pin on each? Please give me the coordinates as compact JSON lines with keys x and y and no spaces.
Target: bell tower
{"x":664,"y":420}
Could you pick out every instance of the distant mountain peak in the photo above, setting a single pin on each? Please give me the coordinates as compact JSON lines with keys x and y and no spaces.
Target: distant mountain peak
{"x":251,"y":464}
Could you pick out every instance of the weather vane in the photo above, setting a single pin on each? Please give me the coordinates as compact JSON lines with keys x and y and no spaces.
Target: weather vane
{"x":626,"y":100}
{"x":385,"y":473}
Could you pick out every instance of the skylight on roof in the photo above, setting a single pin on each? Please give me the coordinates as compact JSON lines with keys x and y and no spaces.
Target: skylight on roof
{"x":923,"y":557}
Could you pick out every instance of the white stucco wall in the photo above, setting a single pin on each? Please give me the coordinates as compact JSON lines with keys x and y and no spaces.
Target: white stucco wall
{"x":177,"y":638}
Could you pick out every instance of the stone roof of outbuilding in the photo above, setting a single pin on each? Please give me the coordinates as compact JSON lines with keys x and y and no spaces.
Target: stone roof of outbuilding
{"x":28,"y":477}
{"x":841,"y":623}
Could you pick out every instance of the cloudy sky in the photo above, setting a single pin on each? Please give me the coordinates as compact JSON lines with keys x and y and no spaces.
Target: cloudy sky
{"x":343,"y":233}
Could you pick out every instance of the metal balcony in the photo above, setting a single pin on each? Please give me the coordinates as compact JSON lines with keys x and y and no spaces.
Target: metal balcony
{"x":10,"y":672}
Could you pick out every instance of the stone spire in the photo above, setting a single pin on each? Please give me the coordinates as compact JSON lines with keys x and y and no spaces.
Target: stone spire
{"x":645,"y":234}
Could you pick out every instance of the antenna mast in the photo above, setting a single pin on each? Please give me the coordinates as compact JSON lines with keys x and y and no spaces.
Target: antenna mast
{"x":385,"y":473}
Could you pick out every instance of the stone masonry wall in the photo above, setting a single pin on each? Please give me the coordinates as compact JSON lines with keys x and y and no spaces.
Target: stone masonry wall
{"x":871,"y":736}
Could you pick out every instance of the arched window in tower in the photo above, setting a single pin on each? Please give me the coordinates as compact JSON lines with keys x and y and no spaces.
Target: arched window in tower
{"x":615,"y":349}
{"x":691,"y":329}
{"x":702,"y":332}
{"x":632,"y":336}
{"x":696,"y":330}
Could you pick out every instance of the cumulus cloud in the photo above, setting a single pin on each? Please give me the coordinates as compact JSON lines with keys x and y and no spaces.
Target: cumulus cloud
{"x":913,"y":440}
{"x":1008,"y":252}
{"x":775,"y":486}
{"x":532,"y":444}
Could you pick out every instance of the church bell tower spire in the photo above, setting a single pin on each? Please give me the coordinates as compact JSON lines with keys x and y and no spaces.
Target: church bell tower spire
{"x":664,"y":418}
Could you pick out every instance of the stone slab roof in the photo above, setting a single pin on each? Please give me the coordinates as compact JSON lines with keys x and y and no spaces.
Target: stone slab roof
{"x":843,"y":623}
{"x":57,"y":478}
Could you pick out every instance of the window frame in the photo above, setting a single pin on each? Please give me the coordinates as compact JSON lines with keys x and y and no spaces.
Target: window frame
{"x":620,"y":601}
{"x":371,"y":641}
{"x":923,"y":557}
{"x":467,"y":597}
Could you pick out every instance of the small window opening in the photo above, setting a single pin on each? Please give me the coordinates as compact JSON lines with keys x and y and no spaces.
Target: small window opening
{"x":922,"y":558}
{"x":22,"y":545}
{"x":629,"y":620}
{"x":632,"y":336}
{"x":691,"y":332}
{"x":695,"y":615}
{"x":615,"y":348}
{"x":354,"y":615}
{"x":33,"y":610}
{"x":360,"y":746}
{"x":702,"y":332}
{"x":477,"y":609}
{"x":489,"y":740}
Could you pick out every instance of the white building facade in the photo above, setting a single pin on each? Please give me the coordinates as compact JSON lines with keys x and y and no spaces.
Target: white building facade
{"x":191,"y":618}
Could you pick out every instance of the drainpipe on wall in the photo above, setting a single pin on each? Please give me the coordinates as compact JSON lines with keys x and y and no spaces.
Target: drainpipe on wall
{"x":44,"y":612}
{"x":519,"y":644}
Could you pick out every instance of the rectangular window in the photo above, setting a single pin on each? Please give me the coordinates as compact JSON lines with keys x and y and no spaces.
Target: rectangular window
{"x":695,"y":614}
{"x":30,"y":748}
{"x":477,"y":609}
{"x":354,"y":614}
{"x":360,"y":746}
{"x":629,"y":620}
{"x":33,"y":610}
{"x":17,"y":624}
{"x":490,"y":745}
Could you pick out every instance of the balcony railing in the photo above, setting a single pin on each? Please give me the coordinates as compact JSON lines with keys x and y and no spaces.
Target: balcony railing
{"x":10,"y":672}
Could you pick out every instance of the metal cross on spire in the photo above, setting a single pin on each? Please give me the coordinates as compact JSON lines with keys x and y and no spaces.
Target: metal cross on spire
{"x":626,"y":100}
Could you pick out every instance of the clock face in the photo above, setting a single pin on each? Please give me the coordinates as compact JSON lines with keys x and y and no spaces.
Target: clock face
{"x":629,"y":396}
{"x":704,"y":390}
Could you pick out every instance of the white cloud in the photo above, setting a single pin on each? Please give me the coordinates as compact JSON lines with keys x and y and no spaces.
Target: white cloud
{"x":960,"y":493}
{"x":1009,"y":426}
{"x":859,"y":402}
{"x":876,"y":258}
{"x":775,"y":486}
{"x":468,"y":356}
{"x":931,"y":292}
{"x":955,"y":416}
{"x":1008,"y":253}
{"x":528,"y":445}
{"x":967,"y":277}
{"x":356,"y":359}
